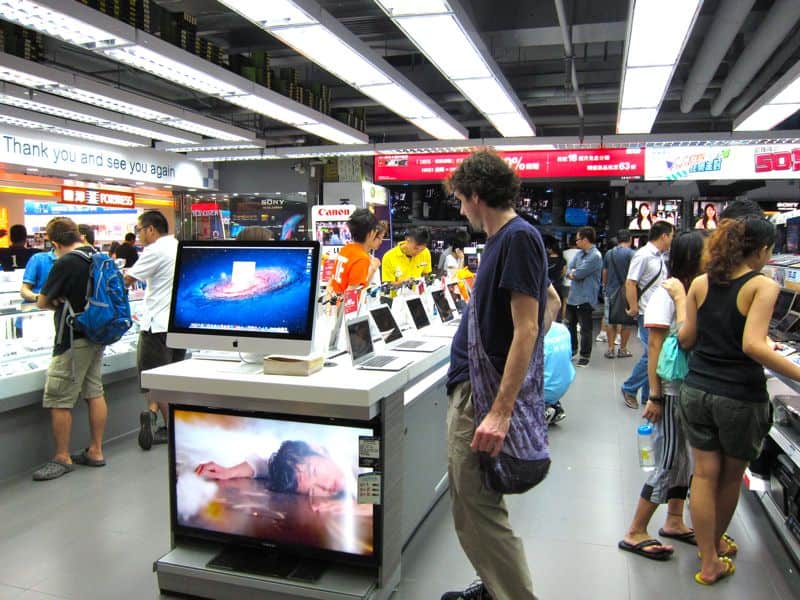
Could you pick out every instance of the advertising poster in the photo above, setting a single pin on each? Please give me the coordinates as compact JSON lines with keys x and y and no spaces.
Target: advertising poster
{"x":767,"y":161}
{"x":285,"y":218}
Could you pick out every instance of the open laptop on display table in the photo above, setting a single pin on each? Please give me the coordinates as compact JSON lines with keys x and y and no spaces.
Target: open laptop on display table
{"x":393,"y":335}
{"x":446,"y":312}
{"x":359,"y":342}
{"x":421,"y":321}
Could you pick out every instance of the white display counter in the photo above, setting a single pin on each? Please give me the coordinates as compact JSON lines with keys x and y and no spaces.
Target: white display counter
{"x":411,"y":405}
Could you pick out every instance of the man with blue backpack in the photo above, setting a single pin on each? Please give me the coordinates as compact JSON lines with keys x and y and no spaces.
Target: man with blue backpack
{"x":87,"y":293}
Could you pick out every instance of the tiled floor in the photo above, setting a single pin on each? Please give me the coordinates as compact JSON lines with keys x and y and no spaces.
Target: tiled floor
{"x":95,"y":533}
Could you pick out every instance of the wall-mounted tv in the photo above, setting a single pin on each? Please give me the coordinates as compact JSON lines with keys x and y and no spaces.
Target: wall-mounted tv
{"x":272,"y":481}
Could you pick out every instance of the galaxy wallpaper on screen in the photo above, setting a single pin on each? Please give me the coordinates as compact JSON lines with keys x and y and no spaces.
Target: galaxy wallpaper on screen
{"x":244,"y":289}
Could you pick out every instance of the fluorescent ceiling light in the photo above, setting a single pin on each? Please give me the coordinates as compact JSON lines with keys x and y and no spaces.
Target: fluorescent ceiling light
{"x":262,"y":106}
{"x":767,"y":117}
{"x":657,"y":36}
{"x":636,"y":120}
{"x":659,"y":31}
{"x":443,"y":33}
{"x":67,"y":109}
{"x":512,"y":125}
{"x":319,"y":37}
{"x":438,"y":129}
{"x":171,"y":70}
{"x":273,"y":13}
{"x":23,"y":78}
{"x":397,"y":8}
{"x":208,"y":145}
{"x":57,"y":126}
{"x":330,"y":133}
{"x":400,"y":101}
{"x":319,"y":45}
{"x":446,"y":44}
{"x":151,"y":54}
{"x":790,"y":95}
{"x":645,"y":86}
{"x":58,"y":24}
{"x":107,"y":102}
{"x":488,"y":94}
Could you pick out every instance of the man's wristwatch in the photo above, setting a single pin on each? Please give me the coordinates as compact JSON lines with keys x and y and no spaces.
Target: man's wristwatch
{"x":657,"y":399}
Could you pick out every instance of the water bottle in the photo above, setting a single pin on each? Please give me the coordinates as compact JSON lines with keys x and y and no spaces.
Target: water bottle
{"x":647,"y":459}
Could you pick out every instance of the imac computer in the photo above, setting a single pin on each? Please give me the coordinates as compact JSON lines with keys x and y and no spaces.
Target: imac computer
{"x":252,"y":297}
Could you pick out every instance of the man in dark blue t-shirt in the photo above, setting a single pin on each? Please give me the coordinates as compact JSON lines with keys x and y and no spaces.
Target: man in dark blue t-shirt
{"x":514,"y":304}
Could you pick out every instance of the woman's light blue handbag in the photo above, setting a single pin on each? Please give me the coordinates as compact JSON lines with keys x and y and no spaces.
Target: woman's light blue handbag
{"x":673,"y":362}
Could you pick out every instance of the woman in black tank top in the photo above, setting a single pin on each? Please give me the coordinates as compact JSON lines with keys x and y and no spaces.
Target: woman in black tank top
{"x":724,"y":402}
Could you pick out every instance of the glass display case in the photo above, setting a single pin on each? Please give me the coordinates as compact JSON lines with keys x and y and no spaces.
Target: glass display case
{"x":26,"y":342}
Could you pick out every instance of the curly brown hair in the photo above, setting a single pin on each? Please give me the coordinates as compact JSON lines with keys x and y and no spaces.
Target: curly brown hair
{"x":487,"y":175}
{"x":733,"y":242}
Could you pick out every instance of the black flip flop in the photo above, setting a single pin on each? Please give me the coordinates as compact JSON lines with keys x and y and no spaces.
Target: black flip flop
{"x":686,"y":538}
{"x":640,"y":549}
{"x":84,"y":459}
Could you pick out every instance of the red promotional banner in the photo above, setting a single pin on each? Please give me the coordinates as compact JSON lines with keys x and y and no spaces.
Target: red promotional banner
{"x":351,"y":299}
{"x":87,"y":197}
{"x":529,"y":164}
{"x":205,"y":209}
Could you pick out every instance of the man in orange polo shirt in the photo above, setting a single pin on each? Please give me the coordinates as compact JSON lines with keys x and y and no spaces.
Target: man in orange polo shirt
{"x":354,"y":265}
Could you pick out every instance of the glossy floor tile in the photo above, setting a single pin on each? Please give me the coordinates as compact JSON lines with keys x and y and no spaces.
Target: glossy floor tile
{"x":95,"y":533}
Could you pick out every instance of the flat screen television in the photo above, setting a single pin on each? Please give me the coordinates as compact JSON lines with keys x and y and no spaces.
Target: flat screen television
{"x":792,"y":245}
{"x":276,"y":482}
{"x":255,"y":297}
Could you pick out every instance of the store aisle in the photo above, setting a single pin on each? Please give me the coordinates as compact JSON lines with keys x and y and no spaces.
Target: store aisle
{"x":95,"y":533}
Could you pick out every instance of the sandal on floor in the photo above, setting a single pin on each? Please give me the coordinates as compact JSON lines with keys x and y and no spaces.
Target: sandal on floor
{"x":733,"y":548}
{"x":623,"y":354}
{"x":610,"y":354}
{"x":84,"y":459}
{"x":730,"y":569}
{"x":640,"y":549}
{"x":686,"y":538}
{"x":52,"y":469}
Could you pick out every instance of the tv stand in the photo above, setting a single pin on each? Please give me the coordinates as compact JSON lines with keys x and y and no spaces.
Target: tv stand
{"x":267,"y":563}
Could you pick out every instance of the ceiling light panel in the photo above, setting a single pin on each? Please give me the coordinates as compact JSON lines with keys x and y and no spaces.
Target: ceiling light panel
{"x":319,"y":37}
{"x":657,"y":34}
{"x":331,"y":133}
{"x":511,"y":125}
{"x":262,"y":106}
{"x":39,"y":17}
{"x":438,"y":129}
{"x":766,"y":117}
{"x":319,"y":45}
{"x":443,"y":33}
{"x":774,"y":106}
{"x":151,"y":54}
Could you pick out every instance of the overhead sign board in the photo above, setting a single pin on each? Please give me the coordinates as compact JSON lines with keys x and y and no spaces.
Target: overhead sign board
{"x":89,"y":197}
{"x":45,"y":151}
{"x":763,"y":161}
{"x":606,"y":163}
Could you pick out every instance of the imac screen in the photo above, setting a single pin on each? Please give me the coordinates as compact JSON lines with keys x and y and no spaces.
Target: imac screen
{"x":240,"y":288}
{"x":270,"y":480}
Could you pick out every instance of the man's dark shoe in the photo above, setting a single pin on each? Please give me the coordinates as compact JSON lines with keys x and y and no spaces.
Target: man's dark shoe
{"x":147,"y":420}
{"x":161,"y":436}
{"x":560,"y":413}
{"x":477,"y":591}
{"x":583,"y":362}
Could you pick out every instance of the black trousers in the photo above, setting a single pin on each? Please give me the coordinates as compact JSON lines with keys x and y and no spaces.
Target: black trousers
{"x":581,"y":313}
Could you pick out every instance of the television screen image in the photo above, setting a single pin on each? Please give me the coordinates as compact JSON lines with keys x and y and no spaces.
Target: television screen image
{"x":707,"y":214}
{"x":244,"y":289}
{"x":458,"y":299}
{"x":792,"y":236}
{"x":264,"y":479}
{"x":445,"y":312}
{"x":333,"y":233}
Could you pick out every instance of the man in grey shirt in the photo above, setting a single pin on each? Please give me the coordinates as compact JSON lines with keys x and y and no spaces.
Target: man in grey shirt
{"x":647,"y":271}
{"x":615,"y":269}
{"x":584,"y":273}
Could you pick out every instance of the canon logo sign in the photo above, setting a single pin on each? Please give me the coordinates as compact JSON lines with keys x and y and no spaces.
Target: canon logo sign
{"x":334,"y":212}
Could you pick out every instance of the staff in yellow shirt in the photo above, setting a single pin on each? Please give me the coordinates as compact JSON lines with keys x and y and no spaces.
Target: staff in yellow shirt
{"x":408,"y":260}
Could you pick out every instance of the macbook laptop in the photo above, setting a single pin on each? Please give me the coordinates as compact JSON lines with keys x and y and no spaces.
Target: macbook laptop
{"x":418,"y":312}
{"x":784,"y":330}
{"x":359,"y":341}
{"x":443,"y":306}
{"x":458,"y":300}
{"x":782,"y":306}
{"x":393,"y":336}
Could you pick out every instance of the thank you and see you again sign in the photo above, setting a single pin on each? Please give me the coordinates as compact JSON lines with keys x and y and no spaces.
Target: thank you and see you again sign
{"x":47,"y":151}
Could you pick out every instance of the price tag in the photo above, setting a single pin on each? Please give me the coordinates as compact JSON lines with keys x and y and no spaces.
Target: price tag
{"x":369,"y":452}
{"x":792,"y":275}
{"x":369,"y":488}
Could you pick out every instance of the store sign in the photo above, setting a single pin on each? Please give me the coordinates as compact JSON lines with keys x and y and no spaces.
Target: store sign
{"x":337,"y":213}
{"x":47,"y":151}
{"x":769,"y":161}
{"x":110,"y":198}
{"x":205,"y":209}
{"x":34,"y":208}
{"x":528,"y":164}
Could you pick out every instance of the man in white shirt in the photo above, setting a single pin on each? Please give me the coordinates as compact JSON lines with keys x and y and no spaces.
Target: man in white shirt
{"x":155,"y":267}
{"x":645,"y":274}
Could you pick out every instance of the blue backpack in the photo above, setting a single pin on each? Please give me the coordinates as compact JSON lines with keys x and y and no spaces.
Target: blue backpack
{"x":107,"y":315}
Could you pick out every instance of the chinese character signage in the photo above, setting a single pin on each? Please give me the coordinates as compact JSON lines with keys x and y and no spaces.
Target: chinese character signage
{"x":106,"y":198}
{"x":529,"y":164}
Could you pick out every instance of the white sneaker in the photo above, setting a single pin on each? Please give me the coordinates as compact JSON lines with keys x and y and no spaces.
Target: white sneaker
{"x":601,"y":337}
{"x":618,"y":340}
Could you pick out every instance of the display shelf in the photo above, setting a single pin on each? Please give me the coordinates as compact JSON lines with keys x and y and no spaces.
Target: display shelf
{"x":787,"y":441}
{"x":779,"y":521}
